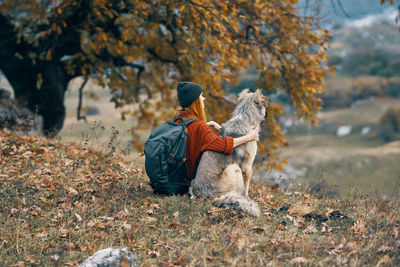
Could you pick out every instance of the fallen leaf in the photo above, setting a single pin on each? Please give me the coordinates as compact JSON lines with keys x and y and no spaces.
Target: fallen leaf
{"x":310,"y":230}
{"x":126,"y":225}
{"x":385,"y":260}
{"x":66,"y":205}
{"x":328,"y":212}
{"x":172,"y":225}
{"x":336,"y":250}
{"x":19,"y":202}
{"x":155,"y":206}
{"x":258,"y":230}
{"x":91,"y":223}
{"x":179,"y":262}
{"x":299,"y":260}
{"x":280,"y":226}
{"x":55,"y":257}
{"x":72,"y":190}
{"x":240,"y":243}
{"x":384,"y":249}
{"x":63,"y":232}
{"x":100,"y":225}
{"x":359,"y":227}
{"x":150,"y":219}
{"x":326,"y":228}
{"x":298,"y":221}
{"x":274,"y":187}
{"x":351,"y":245}
{"x":13,"y":211}
{"x":299,"y":210}
{"x":3,"y":243}
{"x":124,"y":262}
{"x":30,"y":260}
{"x":227,"y":253}
{"x":78,"y":217}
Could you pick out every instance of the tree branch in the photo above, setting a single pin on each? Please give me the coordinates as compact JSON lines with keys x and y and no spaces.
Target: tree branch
{"x":78,"y":115}
{"x":339,"y":2}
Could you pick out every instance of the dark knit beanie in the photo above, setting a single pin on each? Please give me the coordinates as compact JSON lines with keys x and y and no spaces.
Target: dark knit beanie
{"x":188,"y":92}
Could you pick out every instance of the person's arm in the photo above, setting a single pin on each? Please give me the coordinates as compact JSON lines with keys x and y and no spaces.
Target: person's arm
{"x":250,"y":136}
{"x":208,"y":140}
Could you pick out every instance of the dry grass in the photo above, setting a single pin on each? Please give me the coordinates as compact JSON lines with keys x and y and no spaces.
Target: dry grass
{"x":349,"y":162}
{"x":365,"y":112}
{"x":60,"y":202}
{"x":355,"y":161}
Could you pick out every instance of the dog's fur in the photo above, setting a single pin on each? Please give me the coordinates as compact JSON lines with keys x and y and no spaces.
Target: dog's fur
{"x":227,"y":177}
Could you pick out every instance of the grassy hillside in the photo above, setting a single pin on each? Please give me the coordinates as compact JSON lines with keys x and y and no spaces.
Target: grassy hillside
{"x":60,"y":202}
{"x":363,"y":162}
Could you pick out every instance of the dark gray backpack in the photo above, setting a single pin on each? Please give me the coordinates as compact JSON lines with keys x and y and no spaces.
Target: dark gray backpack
{"x":165,"y":158}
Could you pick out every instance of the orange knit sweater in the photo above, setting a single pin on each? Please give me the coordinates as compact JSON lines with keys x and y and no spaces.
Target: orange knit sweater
{"x":202,"y":138}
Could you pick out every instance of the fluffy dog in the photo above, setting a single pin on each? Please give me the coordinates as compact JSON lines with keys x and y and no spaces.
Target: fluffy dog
{"x":227,"y":177}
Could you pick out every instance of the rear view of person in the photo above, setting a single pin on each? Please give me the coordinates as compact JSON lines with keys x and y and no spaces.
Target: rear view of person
{"x":200,"y":135}
{"x":173,"y":150}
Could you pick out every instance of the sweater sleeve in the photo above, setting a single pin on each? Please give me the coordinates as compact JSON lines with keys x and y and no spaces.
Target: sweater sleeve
{"x":210,"y":141}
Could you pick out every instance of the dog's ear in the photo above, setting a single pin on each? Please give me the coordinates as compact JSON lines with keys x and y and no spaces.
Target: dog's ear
{"x":243,"y":93}
{"x":262,"y":99}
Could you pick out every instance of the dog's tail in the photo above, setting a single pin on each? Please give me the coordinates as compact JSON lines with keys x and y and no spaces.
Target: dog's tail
{"x":240,"y":203}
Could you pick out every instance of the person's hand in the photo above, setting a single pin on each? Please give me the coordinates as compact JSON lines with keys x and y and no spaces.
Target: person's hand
{"x":252,"y":135}
{"x":215,"y":125}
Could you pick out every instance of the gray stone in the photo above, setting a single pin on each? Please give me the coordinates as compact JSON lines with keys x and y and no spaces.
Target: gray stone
{"x":110,"y":257}
{"x":283,"y":178}
{"x":18,"y":118}
{"x":365,"y":130}
{"x":343,"y":130}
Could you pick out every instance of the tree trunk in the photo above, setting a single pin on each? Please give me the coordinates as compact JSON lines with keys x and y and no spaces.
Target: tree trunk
{"x":45,"y":95}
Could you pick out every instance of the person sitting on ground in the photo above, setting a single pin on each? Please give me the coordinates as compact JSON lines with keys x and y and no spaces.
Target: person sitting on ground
{"x":200,"y":136}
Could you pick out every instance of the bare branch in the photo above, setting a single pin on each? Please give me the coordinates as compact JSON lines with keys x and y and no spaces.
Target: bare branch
{"x":78,"y":115}
{"x":339,"y":2}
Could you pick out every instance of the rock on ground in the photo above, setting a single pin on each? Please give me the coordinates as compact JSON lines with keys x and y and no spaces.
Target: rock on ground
{"x":283,"y":178}
{"x":343,"y":130}
{"x":17,"y":118}
{"x":109,"y":257}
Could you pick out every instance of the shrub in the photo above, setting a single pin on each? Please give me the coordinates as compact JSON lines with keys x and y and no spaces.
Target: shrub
{"x":337,"y":93}
{"x":389,"y":124}
{"x":343,"y":91}
{"x":394,"y":87}
{"x":367,"y":86}
{"x":386,"y":133}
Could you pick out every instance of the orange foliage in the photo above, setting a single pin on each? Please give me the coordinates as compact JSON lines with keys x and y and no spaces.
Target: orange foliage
{"x":162,"y":42}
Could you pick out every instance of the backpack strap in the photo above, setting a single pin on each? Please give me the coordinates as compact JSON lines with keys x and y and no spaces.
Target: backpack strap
{"x":184,"y":120}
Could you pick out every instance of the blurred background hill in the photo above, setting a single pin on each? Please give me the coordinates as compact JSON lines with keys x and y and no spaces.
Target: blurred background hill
{"x":357,"y":143}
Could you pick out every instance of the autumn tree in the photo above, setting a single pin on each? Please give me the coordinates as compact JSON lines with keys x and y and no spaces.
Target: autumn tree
{"x":140,"y":49}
